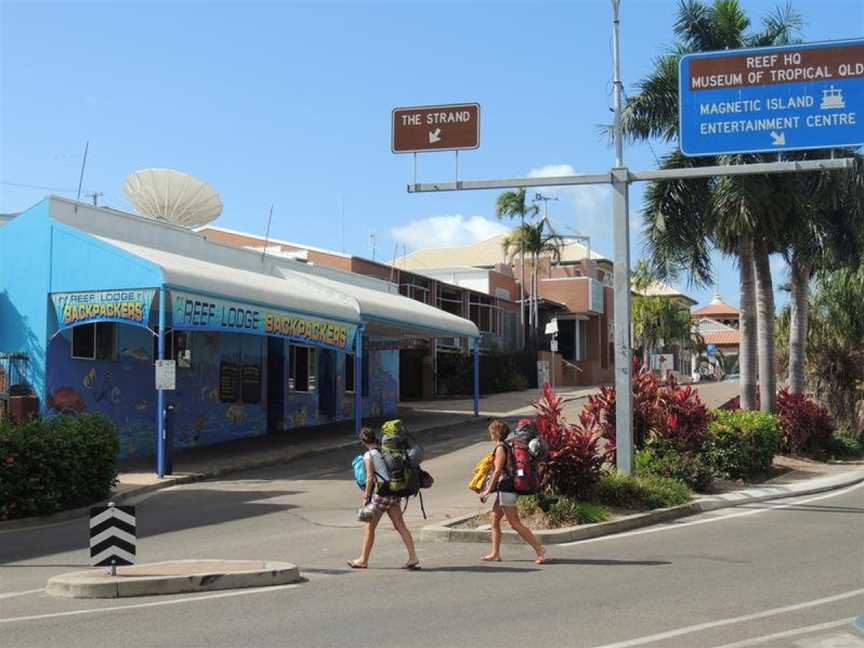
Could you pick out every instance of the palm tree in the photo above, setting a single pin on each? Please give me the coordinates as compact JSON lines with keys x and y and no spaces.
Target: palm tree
{"x":538,"y":240}
{"x":825,"y":231}
{"x":684,"y":219}
{"x":511,"y":204}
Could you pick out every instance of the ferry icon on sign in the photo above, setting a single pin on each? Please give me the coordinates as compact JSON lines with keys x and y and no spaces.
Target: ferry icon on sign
{"x":832,"y":98}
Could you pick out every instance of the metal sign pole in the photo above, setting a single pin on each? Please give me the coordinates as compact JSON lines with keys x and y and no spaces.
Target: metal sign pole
{"x":621,"y":230}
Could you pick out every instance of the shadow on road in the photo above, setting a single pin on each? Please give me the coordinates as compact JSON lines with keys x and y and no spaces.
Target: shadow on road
{"x":607,"y":563}
{"x":481,"y":569}
{"x":181,"y":509}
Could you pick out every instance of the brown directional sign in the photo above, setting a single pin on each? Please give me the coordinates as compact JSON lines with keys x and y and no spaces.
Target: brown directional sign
{"x":436,"y":128}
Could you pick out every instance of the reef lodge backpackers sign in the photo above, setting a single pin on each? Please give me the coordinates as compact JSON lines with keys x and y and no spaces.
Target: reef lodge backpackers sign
{"x":122,"y":306}
{"x":772,"y":99}
{"x":197,"y":312}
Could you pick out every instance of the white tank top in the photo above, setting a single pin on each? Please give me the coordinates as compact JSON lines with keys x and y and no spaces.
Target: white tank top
{"x":378,"y":463}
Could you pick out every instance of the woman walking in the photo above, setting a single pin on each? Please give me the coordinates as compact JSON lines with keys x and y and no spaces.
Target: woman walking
{"x":500,"y":484}
{"x":376,"y":469}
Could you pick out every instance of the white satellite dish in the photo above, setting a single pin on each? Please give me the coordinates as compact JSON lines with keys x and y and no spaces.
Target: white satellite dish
{"x":172,"y":196}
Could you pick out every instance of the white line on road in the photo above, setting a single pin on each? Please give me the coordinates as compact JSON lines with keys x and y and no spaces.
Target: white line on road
{"x":639,"y":641}
{"x":788,"y":633}
{"x":11,"y":594}
{"x":120,"y":608}
{"x":683,"y":525}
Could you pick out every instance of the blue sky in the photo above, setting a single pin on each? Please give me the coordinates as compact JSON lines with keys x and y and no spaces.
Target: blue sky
{"x":289,"y":104}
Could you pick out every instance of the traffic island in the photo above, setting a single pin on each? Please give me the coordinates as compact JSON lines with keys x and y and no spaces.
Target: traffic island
{"x":173,"y":577}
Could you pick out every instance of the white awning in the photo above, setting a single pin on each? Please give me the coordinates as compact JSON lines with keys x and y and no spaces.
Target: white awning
{"x":389,"y":314}
{"x":298,"y":295}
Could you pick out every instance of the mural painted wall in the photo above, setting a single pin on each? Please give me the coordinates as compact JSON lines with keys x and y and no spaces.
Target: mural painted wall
{"x":123,"y":390}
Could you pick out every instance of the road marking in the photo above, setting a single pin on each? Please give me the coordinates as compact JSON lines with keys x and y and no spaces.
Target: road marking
{"x":682,"y":525}
{"x":11,"y":594}
{"x":115,"y":608}
{"x":639,"y":641}
{"x":788,"y":633}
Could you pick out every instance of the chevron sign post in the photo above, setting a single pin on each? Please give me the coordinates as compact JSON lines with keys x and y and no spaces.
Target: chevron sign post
{"x":112,"y":536}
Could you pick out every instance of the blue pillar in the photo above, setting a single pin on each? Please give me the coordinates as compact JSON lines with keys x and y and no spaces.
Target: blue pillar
{"x":160,"y":394}
{"x":477,"y":377}
{"x":358,"y":380}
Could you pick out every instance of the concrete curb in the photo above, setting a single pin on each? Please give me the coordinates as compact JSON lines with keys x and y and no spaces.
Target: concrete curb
{"x":140,"y":493}
{"x":445,"y":532}
{"x":201,"y":578}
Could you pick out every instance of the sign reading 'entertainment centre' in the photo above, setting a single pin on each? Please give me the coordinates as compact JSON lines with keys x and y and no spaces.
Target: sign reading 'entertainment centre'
{"x":772,"y":99}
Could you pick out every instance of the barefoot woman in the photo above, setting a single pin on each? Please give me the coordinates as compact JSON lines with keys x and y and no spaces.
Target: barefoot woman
{"x":500,"y":485}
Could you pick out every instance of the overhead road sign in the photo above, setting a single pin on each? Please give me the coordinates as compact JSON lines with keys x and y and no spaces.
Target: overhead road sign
{"x":452,"y":127}
{"x":772,"y":99}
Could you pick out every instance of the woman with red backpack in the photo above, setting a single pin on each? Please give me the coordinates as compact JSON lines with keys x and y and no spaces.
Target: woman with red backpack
{"x":500,"y":483}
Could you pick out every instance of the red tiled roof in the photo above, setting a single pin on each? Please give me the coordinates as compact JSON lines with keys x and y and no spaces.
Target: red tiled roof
{"x":716,"y":309}
{"x":722,"y":337}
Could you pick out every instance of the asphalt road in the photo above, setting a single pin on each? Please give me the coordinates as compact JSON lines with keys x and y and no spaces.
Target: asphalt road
{"x":789,"y":573}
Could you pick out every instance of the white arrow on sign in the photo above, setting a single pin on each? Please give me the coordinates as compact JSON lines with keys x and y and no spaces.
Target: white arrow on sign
{"x":778,"y":139}
{"x":435,"y":136}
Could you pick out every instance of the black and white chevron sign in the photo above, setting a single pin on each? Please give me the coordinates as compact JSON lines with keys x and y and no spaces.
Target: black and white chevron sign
{"x":112,"y":535}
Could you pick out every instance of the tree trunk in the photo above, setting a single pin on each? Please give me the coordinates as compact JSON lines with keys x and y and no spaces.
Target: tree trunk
{"x":765,"y":327}
{"x":747,"y":349}
{"x":800,"y":311}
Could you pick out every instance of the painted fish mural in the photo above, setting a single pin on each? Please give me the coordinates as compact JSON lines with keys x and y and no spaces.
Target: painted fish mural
{"x":66,"y":400}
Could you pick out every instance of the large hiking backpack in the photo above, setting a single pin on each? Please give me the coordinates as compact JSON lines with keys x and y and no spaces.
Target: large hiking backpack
{"x":526,"y":432}
{"x":404,"y":474}
{"x":522,"y":467}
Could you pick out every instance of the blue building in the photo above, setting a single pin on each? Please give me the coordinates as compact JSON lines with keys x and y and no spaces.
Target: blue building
{"x":260,"y":344}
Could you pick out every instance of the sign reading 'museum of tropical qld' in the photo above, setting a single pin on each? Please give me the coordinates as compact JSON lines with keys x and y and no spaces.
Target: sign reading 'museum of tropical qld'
{"x":123,"y":306}
{"x":212,"y":314}
{"x":772,"y":99}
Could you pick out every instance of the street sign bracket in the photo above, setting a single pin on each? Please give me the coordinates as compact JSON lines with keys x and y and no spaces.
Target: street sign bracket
{"x":826,"y":164}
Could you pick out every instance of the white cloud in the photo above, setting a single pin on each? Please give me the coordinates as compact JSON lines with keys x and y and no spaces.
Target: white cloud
{"x":446,"y":231}
{"x":586,"y":209}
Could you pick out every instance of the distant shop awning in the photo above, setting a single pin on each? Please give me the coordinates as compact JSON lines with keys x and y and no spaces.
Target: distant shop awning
{"x":389,"y":315}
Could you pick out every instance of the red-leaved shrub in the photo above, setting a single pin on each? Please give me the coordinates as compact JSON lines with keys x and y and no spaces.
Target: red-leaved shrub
{"x":574,"y":460}
{"x":807,"y":426}
{"x":670,"y":412}
{"x":600,"y":409}
{"x":684,"y":421}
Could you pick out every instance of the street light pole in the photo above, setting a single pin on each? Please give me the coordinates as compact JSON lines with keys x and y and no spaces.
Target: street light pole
{"x":620,"y":225}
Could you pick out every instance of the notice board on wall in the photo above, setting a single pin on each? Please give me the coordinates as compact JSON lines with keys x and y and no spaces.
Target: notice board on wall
{"x":229,"y":382}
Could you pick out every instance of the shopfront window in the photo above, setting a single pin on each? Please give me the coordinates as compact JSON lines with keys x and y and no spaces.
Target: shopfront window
{"x":95,"y":341}
{"x":349,"y":373}
{"x":304,"y":368}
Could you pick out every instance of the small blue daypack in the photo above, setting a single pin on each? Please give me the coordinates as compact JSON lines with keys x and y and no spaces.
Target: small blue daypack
{"x":359,"y":471}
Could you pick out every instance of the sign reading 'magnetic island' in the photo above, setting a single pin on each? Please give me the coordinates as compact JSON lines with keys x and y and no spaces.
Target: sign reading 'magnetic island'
{"x":436,"y":128}
{"x":772,"y":99}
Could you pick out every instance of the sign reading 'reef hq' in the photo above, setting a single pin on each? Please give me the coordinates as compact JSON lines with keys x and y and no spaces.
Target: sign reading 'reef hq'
{"x":772,"y":99}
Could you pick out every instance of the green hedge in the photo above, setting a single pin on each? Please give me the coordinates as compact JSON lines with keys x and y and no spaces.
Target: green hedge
{"x":639,"y":492}
{"x":742,"y":443}
{"x":50,"y":465}
{"x":661,"y":459}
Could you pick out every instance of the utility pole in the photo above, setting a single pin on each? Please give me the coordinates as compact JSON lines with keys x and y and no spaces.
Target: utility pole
{"x":620,"y":227}
{"x":372,"y":243}
{"x":95,"y":196}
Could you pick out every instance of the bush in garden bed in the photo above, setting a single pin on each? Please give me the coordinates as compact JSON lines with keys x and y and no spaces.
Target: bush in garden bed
{"x":574,"y":460}
{"x":639,"y":492}
{"x":742,"y":443}
{"x":49,"y":465}
{"x":845,"y":446}
{"x":807,"y":426}
{"x":670,"y":412}
{"x":557,"y":512}
{"x":664,"y":460}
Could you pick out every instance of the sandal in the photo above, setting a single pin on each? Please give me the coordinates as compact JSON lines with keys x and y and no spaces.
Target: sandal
{"x":354,"y":565}
{"x":541,"y":560}
{"x":415,"y":566}
{"x":490,"y":559}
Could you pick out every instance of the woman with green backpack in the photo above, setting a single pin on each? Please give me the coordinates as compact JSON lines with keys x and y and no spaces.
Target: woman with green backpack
{"x":375,"y":504}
